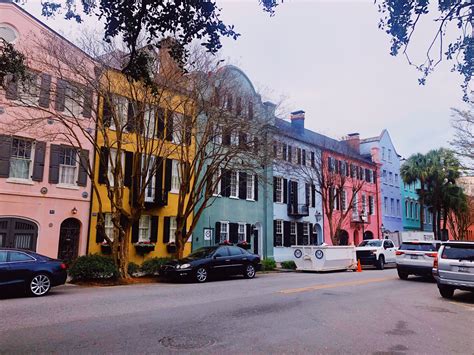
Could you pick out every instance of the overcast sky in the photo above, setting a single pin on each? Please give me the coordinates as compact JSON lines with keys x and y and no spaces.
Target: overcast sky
{"x":330,"y":59}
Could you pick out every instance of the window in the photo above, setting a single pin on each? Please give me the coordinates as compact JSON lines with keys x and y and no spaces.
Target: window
{"x":144,"y":228}
{"x":279,"y":226}
{"x":172,"y":236}
{"x":149,"y":162}
{"x":149,"y":116}
{"x":234,"y":184}
{"x":406,"y":209}
{"x":303,"y":155}
{"x":22,"y":152}
{"x":178,"y":127}
{"x":389,"y":155}
{"x":305,"y":233}
{"x":330,"y":164}
{"x":313,"y":165}
{"x":417,"y":212}
{"x":371,"y":205}
{"x":241,"y":232}
{"x":343,"y":200}
{"x":3,"y":256}
{"x":364,"y":204}
{"x":290,"y":154}
{"x":383,"y":153}
{"x":279,"y":189}
{"x":278,"y":233}
{"x":28,"y":89}
{"x":120,"y":106}
{"x":390,"y":177}
{"x":362,"y":173}
{"x":250,"y":187}
{"x":396,"y":182}
{"x":293,"y":228}
{"x":111,"y":167}
{"x":109,"y":226}
{"x":355,"y":202}
{"x":19,"y":256}
{"x":398,"y":208}
{"x":411,"y":210}
{"x":68,"y":166}
{"x":298,"y":155}
{"x":283,"y":151}
{"x":175,"y":178}
{"x":217,"y":135}
{"x":385,"y":205}
{"x":73,"y":100}
{"x":384,"y":176}
{"x":216,"y":183}
{"x":308,"y":194}
{"x":392,"y":206}
{"x":8,"y":33}
{"x":234,"y":138}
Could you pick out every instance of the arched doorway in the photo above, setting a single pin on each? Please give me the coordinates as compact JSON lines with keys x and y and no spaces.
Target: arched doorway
{"x":318,"y":234}
{"x":18,"y":233}
{"x":368,"y":235}
{"x":343,"y":237}
{"x":356,"y":237}
{"x":69,"y":239}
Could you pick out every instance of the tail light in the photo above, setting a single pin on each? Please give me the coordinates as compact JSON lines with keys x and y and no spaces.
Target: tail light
{"x":433,"y":255}
{"x":435,"y":262}
{"x":63,"y":266}
{"x":398,"y":252}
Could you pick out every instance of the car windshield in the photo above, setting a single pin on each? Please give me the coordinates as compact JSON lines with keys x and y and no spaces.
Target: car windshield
{"x":420,"y":246}
{"x":458,"y":252}
{"x":202,"y":253}
{"x":371,"y":243}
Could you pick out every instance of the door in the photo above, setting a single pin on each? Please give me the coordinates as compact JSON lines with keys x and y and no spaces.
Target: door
{"x":18,"y":233}
{"x":69,"y":239}
{"x":255,"y":242}
{"x":220,"y":262}
{"x":236,"y":260}
{"x":21,"y":266}
{"x":4,"y":274}
{"x":389,"y":251}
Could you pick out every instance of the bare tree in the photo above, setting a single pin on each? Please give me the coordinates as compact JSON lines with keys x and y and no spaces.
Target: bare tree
{"x":463,"y":141}
{"x":461,"y":219}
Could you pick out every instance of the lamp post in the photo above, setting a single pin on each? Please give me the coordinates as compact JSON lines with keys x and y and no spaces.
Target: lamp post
{"x":382,"y":229}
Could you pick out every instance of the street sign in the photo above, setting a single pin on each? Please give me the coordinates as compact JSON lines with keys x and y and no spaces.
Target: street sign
{"x":207,"y":233}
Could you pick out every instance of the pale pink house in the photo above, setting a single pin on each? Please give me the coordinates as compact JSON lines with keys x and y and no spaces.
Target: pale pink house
{"x":44,"y":189}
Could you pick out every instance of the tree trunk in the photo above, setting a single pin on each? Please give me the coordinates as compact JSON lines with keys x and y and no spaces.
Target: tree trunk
{"x":438,"y":223}
{"x":445,"y":221}
{"x":434,"y":223}
{"x":422,"y":207}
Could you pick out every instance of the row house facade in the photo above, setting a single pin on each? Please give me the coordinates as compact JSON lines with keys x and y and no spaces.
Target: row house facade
{"x":411,"y":209}
{"x":44,"y":189}
{"x":390,"y":180}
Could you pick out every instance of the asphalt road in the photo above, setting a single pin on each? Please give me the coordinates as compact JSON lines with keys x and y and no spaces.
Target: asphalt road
{"x":372,"y":312}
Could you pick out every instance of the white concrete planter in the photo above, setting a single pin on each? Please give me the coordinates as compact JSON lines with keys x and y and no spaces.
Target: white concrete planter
{"x":324,"y":257}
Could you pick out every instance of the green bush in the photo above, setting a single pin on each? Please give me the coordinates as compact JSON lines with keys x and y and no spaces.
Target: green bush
{"x":268,"y":264}
{"x":152,"y":266}
{"x":93,"y":267}
{"x":289,"y":264}
{"x":133,"y":268}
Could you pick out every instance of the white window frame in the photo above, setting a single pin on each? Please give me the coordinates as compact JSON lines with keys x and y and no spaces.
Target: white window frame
{"x":217,"y":139}
{"x":178,"y":128}
{"x":120,"y":106}
{"x":250,"y":187}
{"x":279,"y":190}
{"x":224,"y":230}
{"x":234,"y":188}
{"x":144,"y":228}
{"x":73,"y":100}
{"x":242,"y":236}
{"x":63,"y":167}
{"x":150,"y":179}
{"x":343,"y":200}
{"x":385,"y":205}
{"x":279,"y":231}
{"x":293,"y":228}
{"x":30,"y":160}
{"x":234,"y":138}
{"x":398,"y":208}
{"x":306,"y":232}
{"x":371,"y":205}
{"x":392,"y":207}
{"x":215,"y":184}
{"x":175,"y":177}
{"x":149,"y":121}
{"x":29,"y":90}
{"x":364,"y":204}
{"x":113,"y":157}
{"x":108,"y":226}
{"x":173,"y":227}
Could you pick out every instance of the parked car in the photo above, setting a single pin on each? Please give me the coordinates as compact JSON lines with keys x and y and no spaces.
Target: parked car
{"x":33,"y":272}
{"x":454,"y":268}
{"x":208,"y":261}
{"x":416,"y":258}
{"x":376,"y":252}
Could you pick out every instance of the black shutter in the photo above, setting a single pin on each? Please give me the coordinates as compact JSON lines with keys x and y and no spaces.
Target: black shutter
{"x":226,"y":137}
{"x":225,"y":182}
{"x":83,"y":167}
{"x":168,"y":171}
{"x":299,"y":233}
{"x":304,"y":156}
{"x":312,"y":160}
{"x":135,"y":230}
{"x":106,"y":111}
{"x":217,"y":237}
{"x":38,"y":165}
{"x":137,"y":180}
{"x":311,"y":235}
{"x":286,"y":234}
{"x":274,"y":233}
{"x":233,"y":232}
{"x":160,"y":133}
{"x":159,"y":179}
{"x":154,"y":229}
{"x":285,"y":190}
{"x":248,"y":232}
{"x":60,"y":95}
{"x":128,"y":171}
{"x":242,"y":185}
{"x":11,"y":92}
{"x":295,"y":189}
{"x":255,"y":187}
{"x":275,"y":189}
{"x":45,"y":90}
{"x":169,"y":126}
{"x":5,"y":154}
{"x":99,"y":229}
{"x":54,"y":163}
{"x":313,"y":195}
{"x":184,"y":230}
{"x":103,"y":165}
{"x":166,"y":230}
{"x":87,"y":106}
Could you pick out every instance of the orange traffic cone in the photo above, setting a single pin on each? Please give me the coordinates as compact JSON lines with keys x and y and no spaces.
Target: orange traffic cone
{"x":359,"y":267}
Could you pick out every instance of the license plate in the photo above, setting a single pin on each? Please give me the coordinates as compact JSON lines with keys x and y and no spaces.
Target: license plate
{"x":464,"y":269}
{"x":414,"y":256}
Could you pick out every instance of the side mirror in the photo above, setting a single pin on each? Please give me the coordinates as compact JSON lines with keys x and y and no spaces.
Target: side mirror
{"x":215,"y":256}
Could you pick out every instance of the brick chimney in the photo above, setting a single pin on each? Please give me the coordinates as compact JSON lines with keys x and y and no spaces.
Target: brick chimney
{"x":353,"y":141}
{"x":168,"y":65}
{"x":297,"y":121}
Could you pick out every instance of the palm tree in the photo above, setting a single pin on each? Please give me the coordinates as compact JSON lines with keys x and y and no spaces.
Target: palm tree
{"x":413,"y":170}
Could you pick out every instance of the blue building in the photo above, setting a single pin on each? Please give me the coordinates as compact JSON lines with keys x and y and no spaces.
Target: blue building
{"x":391,"y":196}
{"x":411,"y":209}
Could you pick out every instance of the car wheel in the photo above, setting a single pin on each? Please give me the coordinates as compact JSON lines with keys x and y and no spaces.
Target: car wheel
{"x":402,"y":275}
{"x":201,"y":275}
{"x":381,"y":262}
{"x":446,"y":292}
{"x":249,"y":272}
{"x":39,"y":285}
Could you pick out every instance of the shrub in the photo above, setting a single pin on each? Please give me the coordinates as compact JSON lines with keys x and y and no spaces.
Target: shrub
{"x":268,"y":264}
{"x":152,"y":266}
{"x":289,"y":264}
{"x":133,"y":268}
{"x":93,"y":267}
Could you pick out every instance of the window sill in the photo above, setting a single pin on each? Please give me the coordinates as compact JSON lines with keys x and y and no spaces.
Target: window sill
{"x":234,"y":197}
{"x":251,"y":200}
{"x":67,"y":187}
{"x":216,"y":195}
{"x":20,"y":181}
{"x":176,"y":192}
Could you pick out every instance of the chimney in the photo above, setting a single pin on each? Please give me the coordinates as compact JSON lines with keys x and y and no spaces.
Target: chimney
{"x":297,"y":121}
{"x":353,"y":141}
{"x":270,"y":107}
{"x":168,"y":65}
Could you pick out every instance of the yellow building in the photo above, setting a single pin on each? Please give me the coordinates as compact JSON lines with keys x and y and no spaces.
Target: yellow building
{"x":140,"y":125}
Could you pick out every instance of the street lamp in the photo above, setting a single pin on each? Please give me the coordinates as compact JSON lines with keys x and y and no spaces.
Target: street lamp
{"x":382,"y":229}
{"x":318,"y":216}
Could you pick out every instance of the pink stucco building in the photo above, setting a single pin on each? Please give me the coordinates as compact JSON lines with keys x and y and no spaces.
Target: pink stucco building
{"x":44,"y":188}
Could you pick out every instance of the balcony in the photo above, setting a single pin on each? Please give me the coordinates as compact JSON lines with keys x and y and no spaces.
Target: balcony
{"x":298,"y":211}
{"x":360,"y":218}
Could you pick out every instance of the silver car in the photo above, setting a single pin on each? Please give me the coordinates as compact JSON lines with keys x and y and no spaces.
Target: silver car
{"x":416,"y":258}
{"x":454,"y":268}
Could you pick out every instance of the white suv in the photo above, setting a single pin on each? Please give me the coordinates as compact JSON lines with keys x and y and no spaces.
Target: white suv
{"x":376,"y":252}
{"x":416,"y":258}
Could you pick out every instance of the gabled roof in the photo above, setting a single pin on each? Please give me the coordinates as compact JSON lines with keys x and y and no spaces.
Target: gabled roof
{"x":378,"y":138}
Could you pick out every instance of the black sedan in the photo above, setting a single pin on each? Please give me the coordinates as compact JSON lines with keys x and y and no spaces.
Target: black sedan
{"x":35,"y":273}
{"x":208,"y":261}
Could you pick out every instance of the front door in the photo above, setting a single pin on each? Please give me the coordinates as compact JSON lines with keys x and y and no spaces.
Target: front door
{"x":255,"y":242}
{"x":69,"y":239}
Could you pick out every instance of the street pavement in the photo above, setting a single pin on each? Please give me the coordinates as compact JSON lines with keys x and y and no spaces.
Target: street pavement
{"x":372,"y":312}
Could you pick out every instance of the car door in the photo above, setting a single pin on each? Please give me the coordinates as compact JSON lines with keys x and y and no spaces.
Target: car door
{"x":236,"y":260}
{"x":21,"y":266}
{"x":5,"y":276}
{"x":390,"y":251}
{"x":220,"y":262}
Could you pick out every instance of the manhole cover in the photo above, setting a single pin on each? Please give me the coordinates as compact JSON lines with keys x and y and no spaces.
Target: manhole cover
{"x":186,"y":342}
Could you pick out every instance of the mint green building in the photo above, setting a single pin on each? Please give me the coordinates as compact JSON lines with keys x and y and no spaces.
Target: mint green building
{"x":411,"y":209}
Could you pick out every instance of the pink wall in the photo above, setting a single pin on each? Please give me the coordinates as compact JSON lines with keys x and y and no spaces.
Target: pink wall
{"x":25,"y":199}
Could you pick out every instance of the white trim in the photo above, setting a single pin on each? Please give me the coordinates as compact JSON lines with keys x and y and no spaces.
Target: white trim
{"x":20,"y":181}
